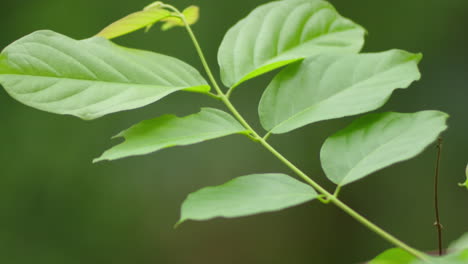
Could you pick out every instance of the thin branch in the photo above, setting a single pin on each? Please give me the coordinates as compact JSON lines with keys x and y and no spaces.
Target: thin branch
{"x":436,"y":197}
{"x":324,"y":193}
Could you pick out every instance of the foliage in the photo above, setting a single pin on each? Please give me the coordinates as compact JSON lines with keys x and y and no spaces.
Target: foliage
{"x":457,"y":254}
{"x":376,"y":141}
{"x":246,"y":195}
{"x":90,"y":78}
{"x":324,"y":77}
{"x":282,"y":32}
{"x":167,"y":131}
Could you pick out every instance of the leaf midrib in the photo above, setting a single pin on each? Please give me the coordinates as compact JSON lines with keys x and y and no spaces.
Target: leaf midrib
{"x":405,"y":132}
{"x":164,"y":144}
{"x":291,"y":50}
{"x":336,"y":94}
{"x":282,"y":57}
{"x":95,"y":81}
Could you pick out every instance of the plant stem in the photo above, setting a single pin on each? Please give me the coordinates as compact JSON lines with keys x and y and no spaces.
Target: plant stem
{"x":379,"y":231}
{"x":333,"y":199}
{"x":436,"y":197}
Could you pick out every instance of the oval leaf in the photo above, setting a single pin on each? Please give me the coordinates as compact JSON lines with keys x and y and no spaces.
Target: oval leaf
{"x":281,"y":32}
{"x":247,"y":195}
{"x":376,"y":141}
{"x":90,"y":78}
{"x":168,"y":131}
{"x":134,"y":22}
{"x":328,"y":86}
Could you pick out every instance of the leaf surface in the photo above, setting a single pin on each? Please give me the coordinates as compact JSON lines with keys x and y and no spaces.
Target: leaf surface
{"x":90,"y":78}
{"x":460,"y":257}
{"x":279,"y":33}
{"x":247,"y":195}
{"x":191,"y":14}
{"x":460,"y":244}
{"x":169,"y":130}
{"x":399,"y":256}
{"x":134,"y":22}
{"x":376,"y":141}
{"x":393,"y":256}
{"x":333,"y":86}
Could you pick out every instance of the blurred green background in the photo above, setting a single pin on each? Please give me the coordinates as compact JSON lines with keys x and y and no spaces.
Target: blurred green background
{"x":58,"y":207}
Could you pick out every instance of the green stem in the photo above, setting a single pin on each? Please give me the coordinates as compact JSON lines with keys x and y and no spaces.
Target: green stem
{"x":333,"y":199}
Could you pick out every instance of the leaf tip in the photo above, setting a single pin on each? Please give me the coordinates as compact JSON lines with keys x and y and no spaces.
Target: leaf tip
{"x":417,"y":57}
{"x":119,"y":135}
{"x":465,"y":184}
{"x":106,"y":156}
{"x":99,"y":159}
{"x":180,"y":222}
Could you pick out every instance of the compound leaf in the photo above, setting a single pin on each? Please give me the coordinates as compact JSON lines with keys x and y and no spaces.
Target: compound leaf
{"x":333,"y":86}
{"x":376,"y":141}
{"x":282,"y":32}
{"x":134,"y":22}
{"x":247,"y":195}
{"x":92,"y":77}
{"x":168,"y":131}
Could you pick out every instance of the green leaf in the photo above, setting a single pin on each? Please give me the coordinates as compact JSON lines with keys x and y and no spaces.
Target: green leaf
{"x":460,"y":244}
{"x":466,"y":182}
{"x":460,"y":257}
{"x":247,"y":195}
{"x":90,"y":78}
{"x":333,"y":86}
{"x":393,"y":256}
{"x":191,"y":13}
{"x":134,"y":22}
{"x":279,"y":33}
{"x":399,"y":256}
{"x":376,"y":141}
{"x":168,"y":131}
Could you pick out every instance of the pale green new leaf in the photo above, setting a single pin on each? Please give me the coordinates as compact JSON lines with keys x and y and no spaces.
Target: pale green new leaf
{"x":376,"y":141}
{"x":247,"y":195}
{"x":134,"y":22}
{"x":282,"y":32}
{"x":393,"y":256}
{"x":169,"y":130}
{"x":90,"y":78}
{"x":333,"y":86}
{"x":191,"y":14}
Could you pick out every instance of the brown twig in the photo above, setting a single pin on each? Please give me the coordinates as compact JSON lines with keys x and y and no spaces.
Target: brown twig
{"x":436,"y":197}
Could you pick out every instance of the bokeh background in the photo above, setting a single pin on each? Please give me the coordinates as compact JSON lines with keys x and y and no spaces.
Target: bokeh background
{"x":58,"y":207}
